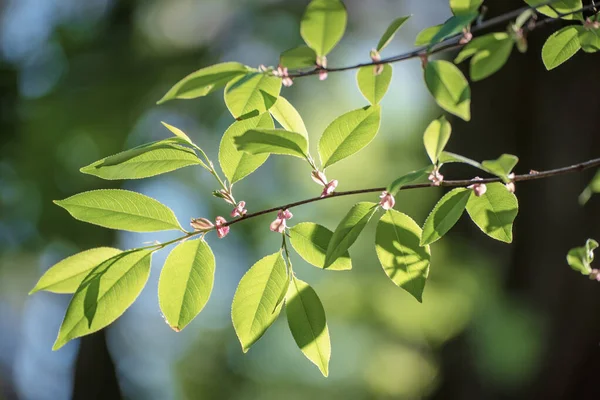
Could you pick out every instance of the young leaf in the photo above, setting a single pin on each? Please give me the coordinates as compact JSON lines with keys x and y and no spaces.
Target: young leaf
{"x":272,"y":141}
{"x":374,"y":86}
{"x":400,"y":254}
{"x":562,"y":6}
{"x":66,"y":275}
{"x":323,"y":25}
{"x":490,"y":52}
{"x":348,"y":231}
{"x":178,"y":132}
{"x":449,"y":88}
{"x":348,"y":134}
{"x":306,"y":319}
{"x":447,"y":157}
{"x":288,"y":117}
{"x":560,"y":46}
{"x":494,"y":211}
{"x":409,"y":178}
{"x":120,"y":209}
{"x":590,"y":189}
{"x":436,"y":137}
{"x":236,"y":164}
{"x":298,"y":57}
{"x":426,"y":35}
{"x":144,"y":161}
{"x":205,"y":81}
{"x":453,"y":26}
{"x":254,"y":306}
{"x":251,"y":94}
{"x":391,"y":30}
{"x":580,"y":258}
{"x":104,"y":295}
{"x":444,"y":215}
{"x":460,"y":7}
{"x":589,"y":39}
{"x":501,"y":167}
{"x":311,"y":241}
{"x":186,"y":282}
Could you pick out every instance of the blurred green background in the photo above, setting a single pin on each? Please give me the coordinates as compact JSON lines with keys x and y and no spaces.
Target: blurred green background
{"x":79,"y":81}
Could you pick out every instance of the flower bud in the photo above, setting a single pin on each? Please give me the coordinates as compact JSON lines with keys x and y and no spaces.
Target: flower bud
{"x":201,"y":224}
{"x":222,"y":231}
{"x":478,"y":188}
{"x":279,"y":224}
{"x":322,"y":75}
{"x":239,"y":210}
{"x":329,"y":188}
{"x":319,"y":177}
{"x":387,"y":201}
{"x":435,"y":177}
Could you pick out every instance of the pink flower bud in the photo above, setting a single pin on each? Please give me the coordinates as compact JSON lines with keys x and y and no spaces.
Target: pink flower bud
{"x":322,"y":75}
{"x":319,"y":177}
{"x":478,"y":188}
{"x":222,"y":231}
{"x":279,"y":224}
{"x":595,"y":275}
{"x":387,"y":201}
{"x":287,"y":81}
{"x":284,"y":214}
{"x":329,"y":188}
{"x":435,"y":177}
{"x":239,"y":210}
{"x":466,"y":38}
{"x":378,"y":69}
{"x":201,"y":224}
{"x":511,"y":185}
{"x":375,"y":56}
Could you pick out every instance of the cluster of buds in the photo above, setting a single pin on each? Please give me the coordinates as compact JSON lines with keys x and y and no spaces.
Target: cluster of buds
{"x":322,"y":65}
{"x":321,"y":179}
{"x":239,"y":209}
{"x":435,"y":177}
{"x":376,"y":57}
{"x":595,"y":275}
{"x":282,"y":72}
{"x":590,"y":25}
{"x":204,"y":225}
{"x":478,"y":188}
{"x":511,"y":185}
{"x":466,"y":37}
{"x":387,"y":200}
{"x":279,"y":224}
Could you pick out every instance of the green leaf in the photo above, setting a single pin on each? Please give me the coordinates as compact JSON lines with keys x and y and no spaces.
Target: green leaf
{"x":453,"y":26}
{"x":307,"y":322}
{"x":562,"y":6}
{"x":449,"y":88}
{"x":560,"y":46}
{"x":144,"y":161}
{"x":205,"y":81}
{"x":589,"y":39}
{"x":178,"y":132}
{"x":348,"y":134}
{"x":436,"y":137}
{"x":490,"y":53}
{"x":460,"y":7}
{"x":120,"y":209}
{"x":254,"y":306}
{"x":273,"y":141}
{"x":409,"y":178}
{"x":444,"y":215}
{"x":580,"y":258}
{"x":288,"y":117}
{"x":311,"y":240}
{"x":391,"y":30}
{"x":186,"y":282}
{"x":236,"y":164}
{"x":66,"y":275}
{"x":591,"y":188}
{"x":400,"y":254}
{"x":446,"y":157}
{"x":501,"y":167}
{"x":251,"y":94}
{"x":104,"y":295}
{"x":298,"y":57}
{"x":374,"y":86}
{"x":323,"y":25}
{"x":494,"y":211}
{"x":426,"y":35}
{"x":348,"y":231}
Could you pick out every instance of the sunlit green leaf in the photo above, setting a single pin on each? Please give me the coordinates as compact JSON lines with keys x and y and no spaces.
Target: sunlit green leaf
{"x":436,"y":137}
{"x":444,"y":215}
{"x":66,"y":275}
{"x":237,"y":164}
{"x":589,"y":39}
{"x":494,"y":211}
{"x":501,"y":167}
{"x":391,"y":30}
{"x":104,"y":295}
{"x":591,"y":188}
{"x":446,"y":157}
{"x":449,"y":88}
{"x":205,"y":81}
{"x":400,"y":254}
{"x":411,"y":177}
{"x":298,"y":57}
{"x":251,"y":94}
{"x":580,"y":258}
{"x":272,"y":141}
{"x":254,"y":306}
{"x":178,"y":132}
{"x":288,"y":117}
{"x":348,"y":134}
{"x":348,"y":231}
{"x":120,"y":209}
{"x":460,"y":7}
{"x":560,"y":46}
{"x":562,"y":6}
{"x":453,"y":26}
{"x":426,"y":35}
{"x":186,"y":282}
{"x":311,"y":240}
{"x":306,"y":318}
{"x":374,"y":86}
{"x":490,"y":53}
{"x":323,"y":25}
